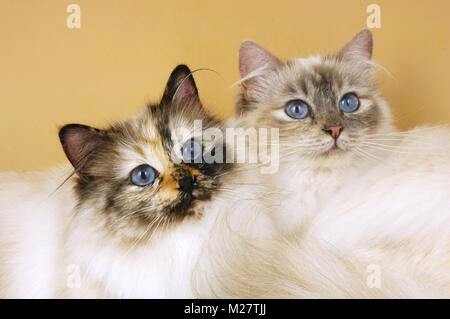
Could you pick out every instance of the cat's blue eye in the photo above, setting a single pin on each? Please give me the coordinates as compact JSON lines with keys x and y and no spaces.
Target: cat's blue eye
{"x":191,"y":150}
{"x":297,"y":109}
{"x":143,"y":175}
{"x":349,"y":103}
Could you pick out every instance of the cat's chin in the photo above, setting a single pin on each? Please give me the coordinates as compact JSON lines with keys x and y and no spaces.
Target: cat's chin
{"x":195,"y":208}
{"x":333,"y":150}
{"x":197,"y":203}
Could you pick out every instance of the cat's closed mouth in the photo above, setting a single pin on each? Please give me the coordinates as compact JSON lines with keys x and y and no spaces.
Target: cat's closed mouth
{"x":333,"y":150}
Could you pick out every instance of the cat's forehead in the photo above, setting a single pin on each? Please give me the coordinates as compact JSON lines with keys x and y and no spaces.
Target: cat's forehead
{"x":156,"y":122}
{"x":319,"y":75}
{"x":305,"y":63}
{"x":313,"y":69}
{"x":152,"y":135}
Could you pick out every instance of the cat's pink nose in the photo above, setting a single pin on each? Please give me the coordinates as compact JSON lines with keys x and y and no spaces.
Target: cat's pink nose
{"x":334,"y":131}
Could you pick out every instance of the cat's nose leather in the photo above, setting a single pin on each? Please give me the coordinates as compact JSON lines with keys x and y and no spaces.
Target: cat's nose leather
{"x":186,"y":184}
{"x":334,"y":130}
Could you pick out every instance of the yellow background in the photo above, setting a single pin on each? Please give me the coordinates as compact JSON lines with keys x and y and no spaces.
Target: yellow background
{"x":121,"y":57}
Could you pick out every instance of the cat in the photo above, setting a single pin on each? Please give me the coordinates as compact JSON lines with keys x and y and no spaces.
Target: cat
{"x":356,"y":191}
{"x":137,"y":217}
{"x":320,"y":144}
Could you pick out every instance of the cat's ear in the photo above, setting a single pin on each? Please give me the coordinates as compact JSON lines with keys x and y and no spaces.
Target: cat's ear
{"x":79,"y":143}
{"x":360,"y":46}
{"x":253,"y":57}
{"x":180,"y":88}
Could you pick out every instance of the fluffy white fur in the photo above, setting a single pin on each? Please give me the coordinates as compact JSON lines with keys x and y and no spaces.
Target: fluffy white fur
{"x":403,"y":226}
{"x":397,"y":215}
{"x":394,"y":215}
{"x":43,"y":243}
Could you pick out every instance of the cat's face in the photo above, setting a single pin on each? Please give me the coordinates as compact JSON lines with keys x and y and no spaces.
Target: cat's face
{"x":141,"y":172}
{"x":324,"y":106}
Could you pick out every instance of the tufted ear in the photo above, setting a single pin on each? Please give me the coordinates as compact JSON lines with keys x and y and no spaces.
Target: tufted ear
{"x":79,"y":143}
{"x":253,"y":57}
{"x":360,"y":46}
{"x":180,"y":88}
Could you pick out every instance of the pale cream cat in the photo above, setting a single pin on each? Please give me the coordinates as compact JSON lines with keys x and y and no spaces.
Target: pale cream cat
{"x":352,"y":183}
